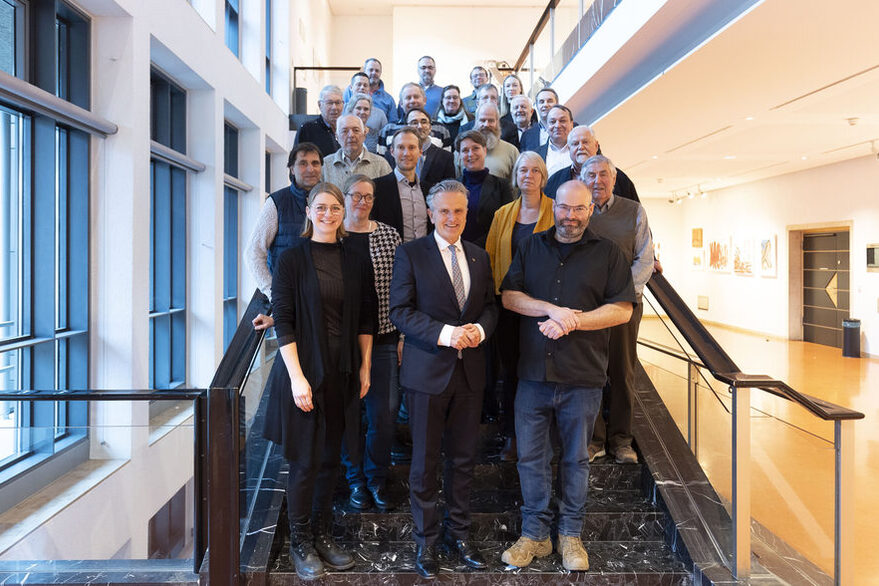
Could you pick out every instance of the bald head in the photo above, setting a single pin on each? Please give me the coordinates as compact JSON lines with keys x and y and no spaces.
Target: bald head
{"x":572,"y":209}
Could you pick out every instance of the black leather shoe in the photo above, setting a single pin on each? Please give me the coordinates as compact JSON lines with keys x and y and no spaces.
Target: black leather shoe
{"x":302,"y":552}
{"x":360,"y":498}
{"x":426,"y":563}
{"x":380,"y":498}
{"x":333,"y":556}
{"x":467,"y":552}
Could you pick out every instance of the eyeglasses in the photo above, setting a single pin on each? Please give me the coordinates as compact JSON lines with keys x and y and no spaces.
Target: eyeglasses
{"x":358,"y":197}
{"x":322,"y":209}
{"x":565,"y":209}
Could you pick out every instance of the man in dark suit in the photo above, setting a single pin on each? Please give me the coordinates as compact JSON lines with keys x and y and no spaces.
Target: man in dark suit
{"x":322,"y":130}
{"x":538,"y":134}
{"x":435,"y":163}
{"x":442,"y":301}
{"x":399,"y":198}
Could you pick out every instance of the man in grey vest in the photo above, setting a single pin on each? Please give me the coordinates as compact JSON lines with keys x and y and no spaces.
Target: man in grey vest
{"x":625,"y":222}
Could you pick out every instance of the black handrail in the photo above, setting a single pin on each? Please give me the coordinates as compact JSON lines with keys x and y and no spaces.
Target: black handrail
{"x":722,"y":367}
{"x":232,"y":368}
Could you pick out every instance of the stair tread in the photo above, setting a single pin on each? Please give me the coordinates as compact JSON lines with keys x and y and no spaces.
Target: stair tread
{"x":605,"y":557}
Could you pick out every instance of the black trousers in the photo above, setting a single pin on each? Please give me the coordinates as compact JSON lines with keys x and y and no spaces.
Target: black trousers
{"x":310,"y":488}
{"x":506,"y":337}
{"x":449,"y":421}
{"x":618,"y":395}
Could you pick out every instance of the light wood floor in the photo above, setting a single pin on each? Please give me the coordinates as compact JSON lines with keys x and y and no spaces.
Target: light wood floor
{"x":792,"y":451}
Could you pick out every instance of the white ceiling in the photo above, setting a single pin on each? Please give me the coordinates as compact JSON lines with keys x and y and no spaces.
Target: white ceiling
{"x":793,"y":84}
{"x":356,"y":7}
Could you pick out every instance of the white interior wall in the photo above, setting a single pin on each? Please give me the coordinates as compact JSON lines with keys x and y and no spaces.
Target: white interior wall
{"x":128,"y":37}
{"x":311,"y":37}
{"x":458,"y":38}
{"x":837,"y":194}
{"x":117,"y":510}
{"x":366,"y":36}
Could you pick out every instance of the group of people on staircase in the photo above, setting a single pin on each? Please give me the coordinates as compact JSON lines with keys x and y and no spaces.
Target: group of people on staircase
{"x":423,"y":252}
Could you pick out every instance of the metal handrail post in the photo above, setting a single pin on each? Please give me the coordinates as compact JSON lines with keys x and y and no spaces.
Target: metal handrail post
{"x":531,"y":68}
{"x":844,"y":505}
{"x":692,"y":387}
{"x":551,"y":34}
{"x":741,"y":481}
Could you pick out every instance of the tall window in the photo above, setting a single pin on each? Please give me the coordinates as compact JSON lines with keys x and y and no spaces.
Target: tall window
{"x":269,"y":47}
{"x":167,"y":238}
{"x":11,"y":36}
{"x":43,"y":240}
{"x":230,"y":236}
{"x":232,"y":40}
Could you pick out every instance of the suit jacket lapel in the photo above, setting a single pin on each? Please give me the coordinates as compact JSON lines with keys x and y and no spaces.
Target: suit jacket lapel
{"x":439,"y":268}
{"x":429,"y":156}
{"x":475,"y":274}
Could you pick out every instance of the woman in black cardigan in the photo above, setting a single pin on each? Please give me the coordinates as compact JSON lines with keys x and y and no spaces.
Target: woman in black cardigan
{"x":324,"y":309}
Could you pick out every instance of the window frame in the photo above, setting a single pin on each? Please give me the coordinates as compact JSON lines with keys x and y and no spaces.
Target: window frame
{"x":168,"y":271}
{"x":54,"y":230}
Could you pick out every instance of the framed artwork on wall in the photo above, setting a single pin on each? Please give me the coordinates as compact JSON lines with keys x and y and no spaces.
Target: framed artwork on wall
{"x":697,"y":238}
{"x":719,"y":257}
{"x":769,"y":256}
{"x":743,"y":256}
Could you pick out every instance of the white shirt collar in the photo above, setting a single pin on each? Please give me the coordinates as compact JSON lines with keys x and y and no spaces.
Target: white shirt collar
{"x":443,"y":243}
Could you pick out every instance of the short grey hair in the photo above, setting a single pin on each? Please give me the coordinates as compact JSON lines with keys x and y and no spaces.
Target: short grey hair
{"x":521,"y":97}
{"x":349,"y":115}
{"x":487,"y":105}
{"x":349,"y":107}
{"x":597,"y":159}
{"x":329,"y":89}
{"x":446,"y":186}
{"x":412,"y":84}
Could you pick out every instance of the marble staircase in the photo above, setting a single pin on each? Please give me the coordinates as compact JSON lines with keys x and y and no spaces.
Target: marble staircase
{"x":624,"y":533}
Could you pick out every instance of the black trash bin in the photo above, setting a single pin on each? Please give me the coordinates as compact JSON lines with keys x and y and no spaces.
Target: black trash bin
{"x":851,"y":338}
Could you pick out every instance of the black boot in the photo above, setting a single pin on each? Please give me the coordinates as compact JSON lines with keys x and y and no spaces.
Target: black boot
{"x":333,"y":556}
{"x":302,"y":552}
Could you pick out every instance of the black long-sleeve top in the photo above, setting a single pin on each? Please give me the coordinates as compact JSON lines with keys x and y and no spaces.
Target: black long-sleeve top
{"x":298,"y":305}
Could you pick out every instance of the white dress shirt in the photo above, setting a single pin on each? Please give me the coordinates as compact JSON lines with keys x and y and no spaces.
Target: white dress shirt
{"x":445,"y":338}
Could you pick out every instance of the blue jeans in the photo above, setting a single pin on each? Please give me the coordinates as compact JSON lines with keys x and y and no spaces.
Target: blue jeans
{"x":382,"y":402}
{"x":574,"y":410}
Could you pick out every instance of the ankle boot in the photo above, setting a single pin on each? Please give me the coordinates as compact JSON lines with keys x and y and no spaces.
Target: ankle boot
{"x":302,"y":551}
{"x":333,"y":556}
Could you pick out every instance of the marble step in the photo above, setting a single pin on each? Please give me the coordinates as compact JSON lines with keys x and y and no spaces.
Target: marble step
{"x":617,"y":526}
{"x":602,"y":473}
{"x":611,"y":563}
{"x":493,"y":500}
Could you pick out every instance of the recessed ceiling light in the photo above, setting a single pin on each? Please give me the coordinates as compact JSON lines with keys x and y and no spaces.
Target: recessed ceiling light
{"x":749,"y":118}
{"x":804,"y":157}
{"x":729,"y":157}
{"x":655,"y":157}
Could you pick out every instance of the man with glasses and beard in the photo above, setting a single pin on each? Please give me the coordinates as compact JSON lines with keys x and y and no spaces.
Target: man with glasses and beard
{"x":569,"y":285}
{"x":501,"y":155}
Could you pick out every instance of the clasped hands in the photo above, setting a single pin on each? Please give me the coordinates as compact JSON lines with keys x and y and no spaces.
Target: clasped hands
{"x":466,"y":336}
{"x":562,"y":321}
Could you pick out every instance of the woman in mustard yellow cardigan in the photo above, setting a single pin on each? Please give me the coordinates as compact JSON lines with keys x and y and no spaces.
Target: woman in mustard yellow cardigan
{"x":530,"y":213}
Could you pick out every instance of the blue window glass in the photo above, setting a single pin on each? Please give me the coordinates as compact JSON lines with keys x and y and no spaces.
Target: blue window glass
{"x":167,"y":358}
{"x":230,"y":236}
{"x":11,"y":36}
{"x":232,"y":12}
{"x":44,"y":254}
{"x":269,"y":47}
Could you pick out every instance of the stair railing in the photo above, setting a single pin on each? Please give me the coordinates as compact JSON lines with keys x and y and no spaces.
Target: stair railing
{"x":712,"y":357}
